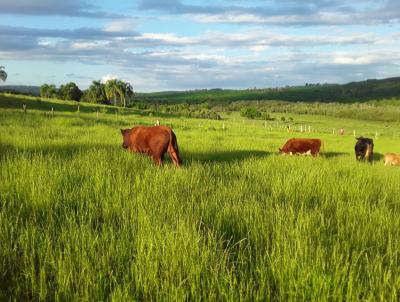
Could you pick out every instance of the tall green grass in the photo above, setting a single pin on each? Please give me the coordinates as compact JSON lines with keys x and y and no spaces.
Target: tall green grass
{"x":81,"y":219}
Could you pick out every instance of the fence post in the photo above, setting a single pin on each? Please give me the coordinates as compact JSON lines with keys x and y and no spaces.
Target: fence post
{"x":78,"y":110}
{"x":354,"y":133}
{"x":223,"y":126}
{"x":52,"y":112}
{"x":24,"y":107}
{"x":97,"y":114}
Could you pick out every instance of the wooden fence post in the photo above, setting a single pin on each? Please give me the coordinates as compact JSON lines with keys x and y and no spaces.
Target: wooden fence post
{"x":354,"y":133}
{"x":97,"y":114}
{"x":78,"y":111}
{"x":24,"y":107}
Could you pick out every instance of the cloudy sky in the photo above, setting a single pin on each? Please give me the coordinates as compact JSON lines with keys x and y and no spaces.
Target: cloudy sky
{"x":185,"y":44}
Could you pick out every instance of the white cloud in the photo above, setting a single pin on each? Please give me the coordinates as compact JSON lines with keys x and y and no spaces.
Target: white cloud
{"x":356,"y":59}
{"x":108,"y":77}
{"x":88,"y":45}
{"x":258,"y":48}
{"x":120,"y":26}
{"x":165,"y":38}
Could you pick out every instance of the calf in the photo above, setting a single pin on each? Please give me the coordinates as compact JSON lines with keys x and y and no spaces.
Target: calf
{"x":392,"y":159}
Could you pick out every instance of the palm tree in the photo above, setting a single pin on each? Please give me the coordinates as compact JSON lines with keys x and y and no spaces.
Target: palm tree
{"x":3,"y":74}
{"x":125,"y":90}
{"x":97,"y":91}
{"x":128,"y":91}
{"x":112,"y":90}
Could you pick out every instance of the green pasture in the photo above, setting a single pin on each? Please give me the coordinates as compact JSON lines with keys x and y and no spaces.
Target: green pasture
{"x":81,"y":219}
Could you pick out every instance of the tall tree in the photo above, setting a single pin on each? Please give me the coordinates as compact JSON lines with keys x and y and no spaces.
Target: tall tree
{"x":70,"y":91}
{"x":48,"y":91}
{"x":95,"y":93}
{"x":113,"y":89}
{"x":125,"y":90}
{"x":3,"y":74}
{"x":128,"y":91}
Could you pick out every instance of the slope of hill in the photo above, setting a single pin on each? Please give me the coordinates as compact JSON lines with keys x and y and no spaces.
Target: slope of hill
{"x":21,"y":89}
{"x":350,"y":92}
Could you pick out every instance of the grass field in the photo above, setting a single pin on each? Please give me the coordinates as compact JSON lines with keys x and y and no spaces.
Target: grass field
{"x":81,"y":219}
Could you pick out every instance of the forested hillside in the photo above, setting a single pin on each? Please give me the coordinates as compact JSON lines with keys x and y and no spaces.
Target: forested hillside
{"x":350,"y":92}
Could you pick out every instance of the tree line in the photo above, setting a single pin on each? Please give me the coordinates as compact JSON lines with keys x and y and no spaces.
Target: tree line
{"x":372,"y":89}
{"x":116,"y":92}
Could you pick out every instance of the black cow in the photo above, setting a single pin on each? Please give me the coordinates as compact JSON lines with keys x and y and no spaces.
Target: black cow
{"x":364,"y":148}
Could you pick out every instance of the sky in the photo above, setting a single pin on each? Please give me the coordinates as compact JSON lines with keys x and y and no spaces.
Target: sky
{"x":184,"y":44}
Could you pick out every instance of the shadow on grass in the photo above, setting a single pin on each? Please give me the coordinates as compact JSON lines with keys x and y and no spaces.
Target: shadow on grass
{"x":378,"y":156}
{"x":6,"y":148}
{"x":222,"y":156}
{"x":63,"y":151}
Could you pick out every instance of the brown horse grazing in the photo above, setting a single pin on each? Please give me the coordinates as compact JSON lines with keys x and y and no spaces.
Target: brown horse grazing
{"x":153,"y":141}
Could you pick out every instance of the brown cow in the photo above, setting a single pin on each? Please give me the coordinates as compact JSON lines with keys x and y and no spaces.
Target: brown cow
{"x":301,"y":146}
{"x":153,"y":141}
{"x":392,"y":159}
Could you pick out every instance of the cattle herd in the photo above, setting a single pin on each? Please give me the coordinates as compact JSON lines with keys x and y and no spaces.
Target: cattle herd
{"x":155,"y":141}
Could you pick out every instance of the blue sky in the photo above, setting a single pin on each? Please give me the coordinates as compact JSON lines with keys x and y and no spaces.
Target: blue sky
{"x":181,"y":44}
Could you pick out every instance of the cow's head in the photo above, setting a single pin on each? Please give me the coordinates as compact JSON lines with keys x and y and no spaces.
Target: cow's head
{"x":281,"y":152}
{"x":125,"y":138}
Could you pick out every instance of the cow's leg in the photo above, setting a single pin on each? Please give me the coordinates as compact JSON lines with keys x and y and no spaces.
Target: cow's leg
{"x":174,"y":157}
{"x":157,"y":159}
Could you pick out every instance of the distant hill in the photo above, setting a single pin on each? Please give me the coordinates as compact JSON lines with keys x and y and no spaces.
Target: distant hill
{"x":21,"y":89}
{"x":345,"y":93}
{"x":350,"y":92}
